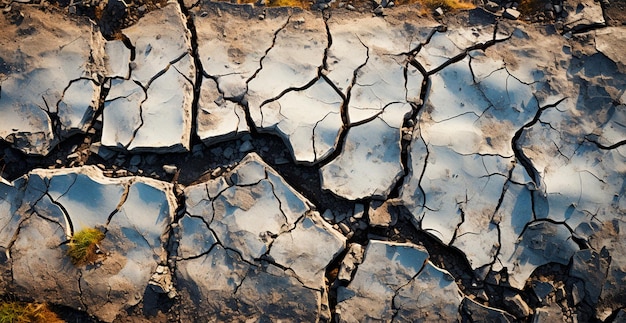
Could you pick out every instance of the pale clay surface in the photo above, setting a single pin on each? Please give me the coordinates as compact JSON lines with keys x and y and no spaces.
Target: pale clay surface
{"x":513,"y":155}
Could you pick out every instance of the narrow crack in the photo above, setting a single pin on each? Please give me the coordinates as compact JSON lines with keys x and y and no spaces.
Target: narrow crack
{"x":394,"y":307}
{"x":197,"y":83}
{"x":505,"y":188}
{"x":519,"y":151}
{"x":202,"y":254}
{"x":329,"y":42}
{"x":604,"y":147}
{"x":461,"y":210}
{"x":136,"y":130}
{"x":411,"y":124}
{"x":53,"y":116}
{"x":280,"y":207}
{"x":345,"y":113}
{"x":119,"y":205}
{"x":80,"y":291}
{"x":267,"y":52}
{"x":321,"y":70}
{"x":465,"y":52}
{"x":70,"y":227}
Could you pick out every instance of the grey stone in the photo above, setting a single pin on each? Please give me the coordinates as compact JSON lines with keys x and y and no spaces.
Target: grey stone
{"x":578,"y":293}
{"x":591,"y":267}
{"x":542,"y":290}
{"x":551,"y":313}
{"x":246,"y":147}
{"x":350,"y":262}
{"x":135,"y":160}
{"x":582,"y":14}
{"x":480,"y":313}
{"x":380,"y":214}
{"x":511,"y":14}
{"x":492,"y":6}
{"x":170,"y":169}
{"x":517,"y":306}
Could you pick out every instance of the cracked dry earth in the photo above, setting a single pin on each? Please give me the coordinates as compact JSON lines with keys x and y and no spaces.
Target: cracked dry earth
{"x":313,"y":166}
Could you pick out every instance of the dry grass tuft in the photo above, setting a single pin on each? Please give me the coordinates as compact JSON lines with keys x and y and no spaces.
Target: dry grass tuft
{"x":446,"y":5}
{"x":528,"y":7}
{"x":83,"y":246}
{"x":19,"y":312}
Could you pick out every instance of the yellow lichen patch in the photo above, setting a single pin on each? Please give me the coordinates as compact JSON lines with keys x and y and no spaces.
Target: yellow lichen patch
{"x":83,"y":246}
{"x":19,"y":312}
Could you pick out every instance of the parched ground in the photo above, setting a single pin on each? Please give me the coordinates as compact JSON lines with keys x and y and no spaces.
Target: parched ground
{"x":346,"y":161}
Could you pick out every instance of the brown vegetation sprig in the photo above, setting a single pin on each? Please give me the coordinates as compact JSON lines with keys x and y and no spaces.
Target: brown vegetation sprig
{"x":20,"y":312}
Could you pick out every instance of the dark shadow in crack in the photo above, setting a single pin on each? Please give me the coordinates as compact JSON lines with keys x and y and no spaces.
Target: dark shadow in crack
{"x":155,"y":303}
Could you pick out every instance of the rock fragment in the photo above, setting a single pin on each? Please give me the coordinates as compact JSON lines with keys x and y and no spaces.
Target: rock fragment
{"x":373,"y":294}
{"x":610,"y":42}
{"x":550,"y":313}
{"x":230,"y":55}
{"x":218,"y":119}
{"x":50,"y":79}
{"x":542,"y":290}
{"x":592,"y":268}
{"x":316,"y":242}
{"x":160,"y":88}
{"x":582,"y":15}
{"x":370,"y":162}
{"x":291,"y":62}
{"x":438,"y":297}
{"x":517,"y":306}
{"x":232,"y":62}
{"x":350,"y":262}
{"x":541,"y":243}
{"x":381,"y":214}
{"x":135,"y":213}
{"x":510,"y":13}
{"x":480,"y":313}
{"x":265,"y":244}
{"x":309,"y":121}
{"x":492,"y":6}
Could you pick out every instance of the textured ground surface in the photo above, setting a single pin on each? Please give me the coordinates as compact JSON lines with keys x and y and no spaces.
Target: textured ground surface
{"x":265,"y":164}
